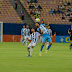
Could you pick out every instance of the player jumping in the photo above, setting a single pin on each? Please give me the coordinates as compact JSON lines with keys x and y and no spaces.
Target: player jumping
{"x":34,"y":40}
{"x":45,"y":36}
{"x":70,"y":32}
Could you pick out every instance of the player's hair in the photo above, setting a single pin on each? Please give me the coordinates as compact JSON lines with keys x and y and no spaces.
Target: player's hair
{"x":46,"y":25}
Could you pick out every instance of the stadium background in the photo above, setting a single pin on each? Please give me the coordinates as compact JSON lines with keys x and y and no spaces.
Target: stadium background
{"x":57,"y":13}
{"x":12,"y":22}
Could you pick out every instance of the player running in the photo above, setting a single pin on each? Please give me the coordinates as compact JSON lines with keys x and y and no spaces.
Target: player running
{"x":45,"y":36}
{"x":50,"y":33}
{"x":70,"y":32}
{"x":22,"y":35}
{"x":27,"y":34}
{"x":34,"y":40}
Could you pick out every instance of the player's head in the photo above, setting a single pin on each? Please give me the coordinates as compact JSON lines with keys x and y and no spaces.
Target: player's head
{"x":48,"y":27}
{"x":27,"y":26}
{"x":37,"y":24}
{"x":32,"y":30}
{"x":23,"y":26}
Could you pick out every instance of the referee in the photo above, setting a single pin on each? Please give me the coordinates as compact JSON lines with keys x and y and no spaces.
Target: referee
{"x":70,"y":32}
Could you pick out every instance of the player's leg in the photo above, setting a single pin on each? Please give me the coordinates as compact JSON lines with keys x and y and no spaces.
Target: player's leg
{"x":23,"y":41}
{"x":50,"y":43}
{"x":28,"y":52}
{"x":31,"y":49}
{"x":71,"y":42}
{"x":43,"y":43}
{"x":47,"y":44}
{"x":29,"y":46}
{"x":26,"y":40}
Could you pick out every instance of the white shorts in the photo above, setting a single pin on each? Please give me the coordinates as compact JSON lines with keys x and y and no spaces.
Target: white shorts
{"x":27,"y":37}
{"x":32,"y":44}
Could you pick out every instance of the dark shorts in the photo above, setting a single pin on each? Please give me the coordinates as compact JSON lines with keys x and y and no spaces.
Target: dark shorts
{"x":71,"y":38}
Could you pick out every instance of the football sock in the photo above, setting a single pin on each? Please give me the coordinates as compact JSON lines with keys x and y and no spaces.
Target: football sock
{"x":31,"y":50}
{"x":48,"y":47}
{"x":47,"y":44}
{"x":26,"y":42}
{"x":41,"y":48}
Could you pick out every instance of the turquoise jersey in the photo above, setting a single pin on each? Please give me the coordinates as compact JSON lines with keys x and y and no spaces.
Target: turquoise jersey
{"x":22,"y":31}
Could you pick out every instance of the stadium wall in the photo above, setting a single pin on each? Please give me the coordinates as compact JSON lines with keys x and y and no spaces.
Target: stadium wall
{"x":60,"y":29}
{"x":62,"y":39}
{"x":12,"y":32}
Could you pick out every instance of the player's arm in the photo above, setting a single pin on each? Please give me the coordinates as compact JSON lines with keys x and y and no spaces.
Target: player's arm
{"x":28,"y":39}
{"x":21,"y":33}
{"x":69,"y":31}
{"x":29,"y":32}
{"x":24,"y":32}
{"x":51,"y":33}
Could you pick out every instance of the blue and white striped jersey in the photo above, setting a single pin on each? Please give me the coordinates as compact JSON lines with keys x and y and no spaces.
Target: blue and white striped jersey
{"x":44,"y":30}
{"x":43,"y":24}
{"x":40,"y":25}
{"x":34,"y":37}
{"x":27,"y":31}
{"x":50,"y":31}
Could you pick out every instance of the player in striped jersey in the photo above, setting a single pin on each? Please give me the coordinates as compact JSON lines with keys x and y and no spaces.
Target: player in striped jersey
{"x":27,"y":34}
{"x":34,"y":40}
{"x":45,"y":36}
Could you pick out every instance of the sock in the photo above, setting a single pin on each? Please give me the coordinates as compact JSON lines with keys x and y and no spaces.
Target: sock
{"x":26,"y":42}
{"x":22,"y":41}
{"x":48,"y":47}
{"x":47,"y":44}
{"x":41,"y":48}
{"x":31,"y":50}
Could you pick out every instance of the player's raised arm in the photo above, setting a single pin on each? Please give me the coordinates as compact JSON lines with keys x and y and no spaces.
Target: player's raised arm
{"x":21,"y":33}
{"x":39,"y":30}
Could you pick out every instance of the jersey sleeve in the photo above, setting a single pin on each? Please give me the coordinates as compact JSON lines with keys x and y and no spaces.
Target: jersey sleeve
{"x":30,"y":38}
{"x":51,"y":31}
{"x":41,"y":28}
{"x":37,"y":29}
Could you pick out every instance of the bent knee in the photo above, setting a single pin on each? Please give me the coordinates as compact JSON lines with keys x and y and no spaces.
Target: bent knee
{"x":50,"y":43}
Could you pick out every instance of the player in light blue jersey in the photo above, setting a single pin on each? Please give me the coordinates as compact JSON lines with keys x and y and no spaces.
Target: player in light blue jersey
{"x":40,"y":25}
{"x":43,"y":24}
{"x":45,"y":36}
{"x":22,"y":34}
{"x":34,"y":40}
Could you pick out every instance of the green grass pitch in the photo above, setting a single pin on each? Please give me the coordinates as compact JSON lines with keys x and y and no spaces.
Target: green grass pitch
{"x":13,"y":58}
